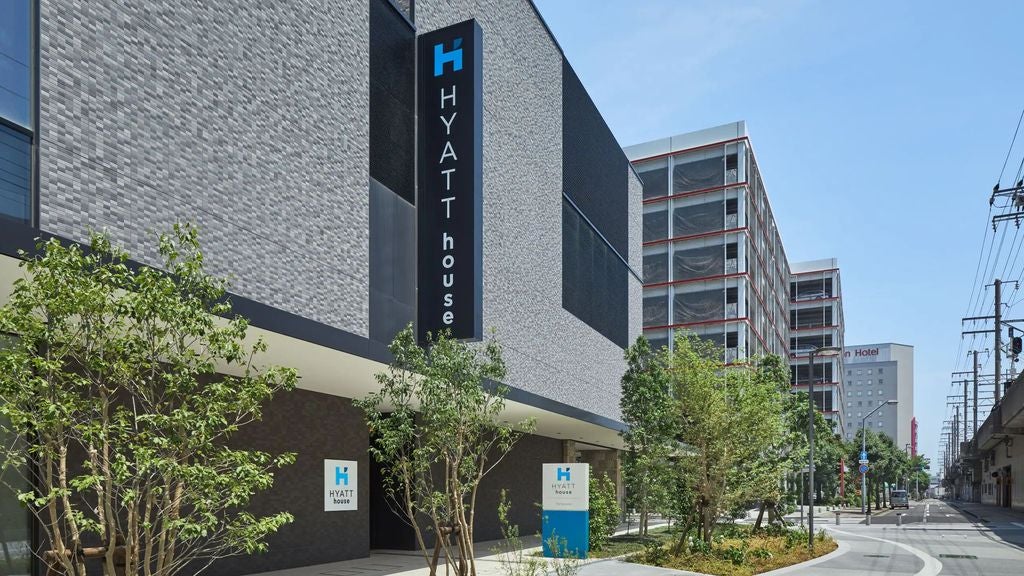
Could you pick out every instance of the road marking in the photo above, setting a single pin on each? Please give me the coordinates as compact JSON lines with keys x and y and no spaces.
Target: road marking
{"x":1017,"y":524}
{"x":932,"y":566}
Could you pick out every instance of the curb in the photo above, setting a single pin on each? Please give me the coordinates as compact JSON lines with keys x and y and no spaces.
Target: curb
{"x":842,"y":548}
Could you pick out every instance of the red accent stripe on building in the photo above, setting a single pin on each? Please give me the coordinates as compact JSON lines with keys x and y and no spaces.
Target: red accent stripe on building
{"x":805,"y":329}
{"x":685,"y":150}
{"x":815,"y":271}
{"x":703,"y":323}
{"x":656,"y":199}
{"x":694,"y":236}
{"x":701,"y":279}
{"x":814,"y":300}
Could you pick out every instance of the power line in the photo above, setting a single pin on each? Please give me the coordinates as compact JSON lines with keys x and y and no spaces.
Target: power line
{"x":1007,"y":159}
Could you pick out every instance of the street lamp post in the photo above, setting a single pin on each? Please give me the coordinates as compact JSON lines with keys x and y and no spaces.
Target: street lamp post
{"x":824,"y":351}
{"x":863,"y":451}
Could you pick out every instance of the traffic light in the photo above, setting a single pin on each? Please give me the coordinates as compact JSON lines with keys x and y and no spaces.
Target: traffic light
{"x":1016,"y":345}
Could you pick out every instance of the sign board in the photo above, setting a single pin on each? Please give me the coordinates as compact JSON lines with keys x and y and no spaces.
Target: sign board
{"x":862,"y":354}
{"x":566,"y":487}
{"x":863,"y":468}
{"x":863,"y":455}
{"x":341,"y":485}
{"x":565,"y":499}
{"x":449,"y":203}
{"x":862,"y":461}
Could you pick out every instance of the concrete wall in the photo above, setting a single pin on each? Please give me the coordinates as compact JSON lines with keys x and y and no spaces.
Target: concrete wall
{"x":247,"y":117}
{"x":549,"y":351}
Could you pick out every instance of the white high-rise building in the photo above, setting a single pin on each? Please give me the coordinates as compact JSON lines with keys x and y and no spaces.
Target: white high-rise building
{"x":876,"y":373}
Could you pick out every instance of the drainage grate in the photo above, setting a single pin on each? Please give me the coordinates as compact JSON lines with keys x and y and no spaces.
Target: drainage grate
{"x":876,"y":555}
{"x":960,"y":556}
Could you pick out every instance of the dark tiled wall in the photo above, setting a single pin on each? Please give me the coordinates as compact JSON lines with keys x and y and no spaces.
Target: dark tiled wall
{"x":316,"y":427}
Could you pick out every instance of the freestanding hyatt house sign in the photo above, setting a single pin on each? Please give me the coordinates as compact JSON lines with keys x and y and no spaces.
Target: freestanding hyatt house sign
{"x":449,"y":202}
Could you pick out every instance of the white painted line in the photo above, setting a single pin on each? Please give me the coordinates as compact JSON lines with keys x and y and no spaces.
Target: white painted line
{"x":1017,"y":524}
{"x":932,"y":566}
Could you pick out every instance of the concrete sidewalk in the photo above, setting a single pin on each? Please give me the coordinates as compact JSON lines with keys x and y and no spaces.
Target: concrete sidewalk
{"x":988,"y":512}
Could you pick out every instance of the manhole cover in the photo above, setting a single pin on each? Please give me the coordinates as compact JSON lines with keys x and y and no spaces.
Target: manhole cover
{"x":960,"y":556}
{"x":876,"y":555}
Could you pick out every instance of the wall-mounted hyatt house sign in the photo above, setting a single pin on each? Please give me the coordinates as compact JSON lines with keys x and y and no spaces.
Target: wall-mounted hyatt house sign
{"x":341,"y":485}
{"x":449,"y":201}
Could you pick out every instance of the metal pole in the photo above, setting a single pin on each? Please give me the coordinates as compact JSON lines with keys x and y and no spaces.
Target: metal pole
{"x":810,"y":465}
{"x":863,"y":475}
{"x":975,"y":392}
{"x":999,"y":339}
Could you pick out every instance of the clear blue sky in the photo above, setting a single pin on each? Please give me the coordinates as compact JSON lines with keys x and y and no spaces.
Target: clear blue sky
{"x":880,"y":128}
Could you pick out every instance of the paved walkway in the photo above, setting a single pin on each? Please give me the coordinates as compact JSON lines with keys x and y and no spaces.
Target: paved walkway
{"x":488,"y":562}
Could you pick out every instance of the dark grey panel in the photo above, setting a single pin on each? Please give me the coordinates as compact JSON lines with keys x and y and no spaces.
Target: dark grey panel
{"x":594,"y":281}
{"x":392,"y":105}
{"x":392,"y":263}
{"x":594,"y":168}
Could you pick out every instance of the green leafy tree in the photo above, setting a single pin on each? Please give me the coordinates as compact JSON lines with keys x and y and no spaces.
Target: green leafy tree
{"x":122,"y":389}
{"x":766,"y":445}
{"x":708,"y":427}
{"x":604,"y":510}
{"x":648,"y":410}
{"x":438,"y":431}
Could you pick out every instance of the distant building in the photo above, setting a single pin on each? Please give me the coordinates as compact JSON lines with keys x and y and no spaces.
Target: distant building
{"x":713,"y":261}
{"x":876,"y":373}
{"x":816,"y":321}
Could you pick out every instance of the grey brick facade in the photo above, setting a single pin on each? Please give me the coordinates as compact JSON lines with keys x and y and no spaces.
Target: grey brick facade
{"x":249,"y":118}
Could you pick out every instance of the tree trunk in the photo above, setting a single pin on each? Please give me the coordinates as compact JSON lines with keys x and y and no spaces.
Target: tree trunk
{"x":760,"y":515}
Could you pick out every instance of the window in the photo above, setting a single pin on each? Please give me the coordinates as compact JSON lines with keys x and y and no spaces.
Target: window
{"x":848,"y":425}
{"x":858,"y":394}
{"x":869,"y":371}
{"x":869,"y":392}
{"x":869,"y":382}
{"x":881,"y":392}
{"x":879,"y":370}
{"x":656,"y":310}
{"x":15,"y":526}
{"x":849,"y":404}
{"x":655,"y":225}
{"x":871,"y":403}
{"x":849,"y":372}
{"x":880,"y":381}
{"x":15,"y":50}
{"x":859,"y":372}
{"x":655,"y":268}
{"x":15,"y":111}
{"x":880,"y":424}
{"x":849,"y":392}
{"x":654,"y":176}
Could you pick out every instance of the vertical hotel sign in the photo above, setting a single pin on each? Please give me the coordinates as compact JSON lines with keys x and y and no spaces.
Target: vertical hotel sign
{"x":449,"y":201}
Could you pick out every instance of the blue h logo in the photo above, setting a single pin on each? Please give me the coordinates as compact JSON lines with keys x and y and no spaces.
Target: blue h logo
{"x":441,"y":57}
{"x":563,"y":474}
{"x":340,"y":476}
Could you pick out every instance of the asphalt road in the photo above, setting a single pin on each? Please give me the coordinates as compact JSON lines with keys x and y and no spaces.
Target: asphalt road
{"x":934,"y":538}
{"x":934,"y":511}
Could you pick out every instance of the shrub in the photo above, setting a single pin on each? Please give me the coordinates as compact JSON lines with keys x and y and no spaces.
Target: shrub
{"x":604,"y":511}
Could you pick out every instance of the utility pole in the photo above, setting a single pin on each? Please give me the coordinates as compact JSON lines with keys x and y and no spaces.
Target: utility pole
{"x":999,"y":338}
{"x":956,"y":435}
{"x":965,"y":410}
{"x":975,"y":392}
